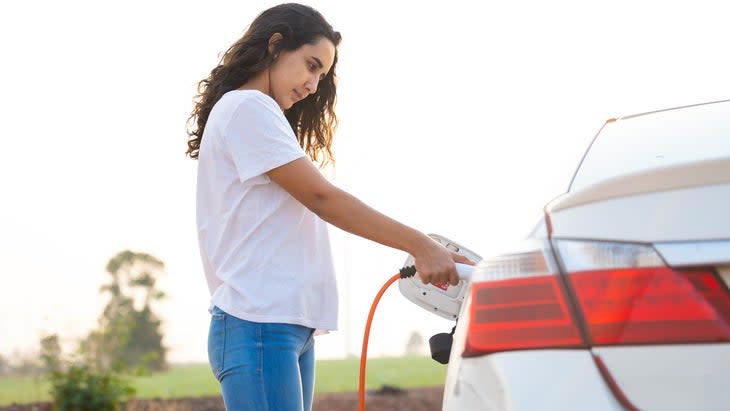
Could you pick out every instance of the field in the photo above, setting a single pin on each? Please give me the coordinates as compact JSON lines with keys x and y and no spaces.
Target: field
{"x":196,"y":380}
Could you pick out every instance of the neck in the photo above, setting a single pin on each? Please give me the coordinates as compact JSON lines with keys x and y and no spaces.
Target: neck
{"x":260,"y":82}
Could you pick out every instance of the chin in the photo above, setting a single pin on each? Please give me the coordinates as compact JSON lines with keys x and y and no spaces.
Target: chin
{"x":286,"y":104}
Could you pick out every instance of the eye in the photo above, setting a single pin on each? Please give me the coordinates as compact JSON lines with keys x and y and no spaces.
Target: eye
{"x":313,"y":66}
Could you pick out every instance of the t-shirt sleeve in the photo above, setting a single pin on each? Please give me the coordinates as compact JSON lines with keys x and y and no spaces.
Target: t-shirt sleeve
{"x":259,"y":138}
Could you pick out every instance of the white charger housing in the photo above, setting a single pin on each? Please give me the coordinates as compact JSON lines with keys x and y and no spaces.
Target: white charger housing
{"x":443,"y":300}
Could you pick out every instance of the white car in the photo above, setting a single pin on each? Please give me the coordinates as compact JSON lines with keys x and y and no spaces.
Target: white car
{"x":618,"y":299}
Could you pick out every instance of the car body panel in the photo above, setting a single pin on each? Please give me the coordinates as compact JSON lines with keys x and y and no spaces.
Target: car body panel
{"x":671,"y":377}
{"x":689,"y":214}
{"x":700,"y":173}
{"x":660,"y":176}
{"x":665,"y":139}
{"x":528,"y":380}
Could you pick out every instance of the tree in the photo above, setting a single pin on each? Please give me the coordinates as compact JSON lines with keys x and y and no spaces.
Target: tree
{"x":78,"y":387}
{"x":51,"y":353}
{"x":129,"y":334}
{"x":4,"y":366}
{"x":414,"y":346}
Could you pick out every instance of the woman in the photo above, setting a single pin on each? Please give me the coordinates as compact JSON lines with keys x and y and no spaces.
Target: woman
{"x":264,"y":114}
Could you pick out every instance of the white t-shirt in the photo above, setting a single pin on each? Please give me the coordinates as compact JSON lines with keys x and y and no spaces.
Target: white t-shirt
{"x":266,"y":257}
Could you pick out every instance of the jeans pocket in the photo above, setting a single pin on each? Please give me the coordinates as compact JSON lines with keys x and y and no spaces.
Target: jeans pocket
{"x":217,"y":341}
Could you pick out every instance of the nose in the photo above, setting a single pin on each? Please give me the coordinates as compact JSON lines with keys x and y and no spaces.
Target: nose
{"x":311,"y":84}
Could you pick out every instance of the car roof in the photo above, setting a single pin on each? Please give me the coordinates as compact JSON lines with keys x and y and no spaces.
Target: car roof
{"x":626,"y":117}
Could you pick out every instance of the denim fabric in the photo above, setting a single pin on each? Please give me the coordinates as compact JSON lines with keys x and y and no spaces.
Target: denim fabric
{"x":261,"y":366}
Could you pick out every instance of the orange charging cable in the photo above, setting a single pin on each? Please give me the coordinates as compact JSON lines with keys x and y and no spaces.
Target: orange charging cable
{"x":364,"y":354}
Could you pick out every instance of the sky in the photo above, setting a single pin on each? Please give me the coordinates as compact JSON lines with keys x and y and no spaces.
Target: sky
{"x":461,"y":118}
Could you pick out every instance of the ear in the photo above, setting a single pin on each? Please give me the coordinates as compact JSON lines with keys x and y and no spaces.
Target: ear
{"x":275,"y":38}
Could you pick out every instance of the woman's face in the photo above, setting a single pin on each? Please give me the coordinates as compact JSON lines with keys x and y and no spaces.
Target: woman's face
{"x":295,"y":73}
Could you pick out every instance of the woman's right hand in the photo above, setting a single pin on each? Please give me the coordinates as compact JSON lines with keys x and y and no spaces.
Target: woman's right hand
{"x":435,"y":263}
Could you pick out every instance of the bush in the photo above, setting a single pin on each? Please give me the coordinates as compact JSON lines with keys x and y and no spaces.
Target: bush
{"x":81,"y":389}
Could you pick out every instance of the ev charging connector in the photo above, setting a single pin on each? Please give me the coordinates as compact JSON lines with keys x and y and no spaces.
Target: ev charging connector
{"x":443,"y":300}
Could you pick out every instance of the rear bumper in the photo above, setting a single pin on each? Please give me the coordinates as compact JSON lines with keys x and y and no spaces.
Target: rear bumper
{"x":546,"y":380}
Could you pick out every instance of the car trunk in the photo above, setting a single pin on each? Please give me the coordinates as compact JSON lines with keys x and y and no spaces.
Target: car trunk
{"x":688,"y":223}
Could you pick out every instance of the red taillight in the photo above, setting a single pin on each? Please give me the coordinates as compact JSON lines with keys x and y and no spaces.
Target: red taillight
{"x":617,"y":293}
{"x":652,"y":306}
{"x":521,"y":313}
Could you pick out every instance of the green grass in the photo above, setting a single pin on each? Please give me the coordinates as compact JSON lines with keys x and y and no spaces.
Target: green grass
{"x":404,"y":372}
{"x":193,"y":380}
{"x":22,"y":390}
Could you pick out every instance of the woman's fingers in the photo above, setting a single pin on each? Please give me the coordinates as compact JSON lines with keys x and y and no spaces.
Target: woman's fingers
{"x":436,"y":266}
{"x":458,"y":258}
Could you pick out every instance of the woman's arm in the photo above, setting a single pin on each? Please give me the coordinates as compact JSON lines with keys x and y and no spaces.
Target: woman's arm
{"x":434,"y":263}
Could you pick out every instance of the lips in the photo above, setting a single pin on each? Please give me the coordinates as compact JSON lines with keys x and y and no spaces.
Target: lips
{"x":297,"y":96}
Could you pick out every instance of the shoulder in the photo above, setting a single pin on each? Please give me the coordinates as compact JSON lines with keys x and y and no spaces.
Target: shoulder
{"x":254,"y":115}
{"x":253,"y":109}
{"x":251,"y":101}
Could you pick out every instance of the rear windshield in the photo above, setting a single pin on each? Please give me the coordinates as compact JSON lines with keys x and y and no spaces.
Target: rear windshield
{"x":656,"y":140}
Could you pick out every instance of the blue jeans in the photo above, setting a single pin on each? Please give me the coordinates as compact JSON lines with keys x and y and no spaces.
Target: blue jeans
{"x":261,"y":366}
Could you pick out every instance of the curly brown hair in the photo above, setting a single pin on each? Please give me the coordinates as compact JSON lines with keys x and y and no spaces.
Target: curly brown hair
{"x":313,"y":119}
